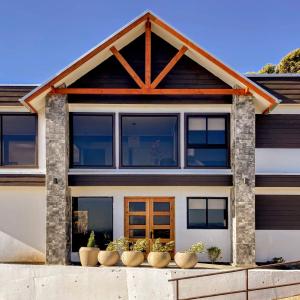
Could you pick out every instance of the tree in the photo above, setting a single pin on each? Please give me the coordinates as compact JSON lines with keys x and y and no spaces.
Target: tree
{"x":290,"y":63}
{"x":267,"y":69}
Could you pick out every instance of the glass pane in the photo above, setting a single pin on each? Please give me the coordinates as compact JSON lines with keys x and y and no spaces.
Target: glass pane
{"x":196,"y":130}
{"x":89,"y":213}
{"x":92,"y":140}
{"x":207,"y":157}
{"x":161,"y":206}
{"x":137,"y":206}
{"x":217,"y":213}
{"x":216,"y":131}
{"x":137,"y":220}
{"x":197,"y":213}
{"x":161,"y":220}
{"x":137,"y":233}
{"x":18,"y":140}
{"x":161,"y":233}
{"x":149,"y":141}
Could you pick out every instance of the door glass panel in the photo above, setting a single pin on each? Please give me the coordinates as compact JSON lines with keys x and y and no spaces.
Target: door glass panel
{"x":161,"y":206}
{"x":137,"y":233}
{"x":137,"y":220}
{"x":161,"y":233}
{"x":92,"y":213}
{"x":137,"y":206}
{"x":161,"y":220}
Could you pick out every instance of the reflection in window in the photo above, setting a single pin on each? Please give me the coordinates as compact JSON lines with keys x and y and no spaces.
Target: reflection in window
{"x":207,"y":213}
{"x":149,"y":141}
{"x":92,"y":140}
{"x":18,"y":138}
{"x":92,"y":213}
{"x":207,"y":141}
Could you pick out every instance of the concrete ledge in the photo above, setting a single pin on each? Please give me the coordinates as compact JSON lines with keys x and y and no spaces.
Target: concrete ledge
{"x":28,"y":282}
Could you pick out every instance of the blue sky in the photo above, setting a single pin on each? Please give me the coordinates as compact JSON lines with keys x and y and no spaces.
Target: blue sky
{"x":39,"y":38}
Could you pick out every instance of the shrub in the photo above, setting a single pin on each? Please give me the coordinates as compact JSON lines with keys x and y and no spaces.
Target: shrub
{"x":159,"y":247}
{"x":121,"y":244}
{"x":277,"y":260}
{"x":91,"y":241}
{"x":214,"y":253}
{"x":140,"y":245}
{"x":196,"y":248}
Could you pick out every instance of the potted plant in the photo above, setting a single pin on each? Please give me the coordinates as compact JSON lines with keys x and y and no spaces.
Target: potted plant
{"x":133,"y":256}
{"x":188,"y":259}
{"x":159,"y":257}
{"x":214,"y":253}
{"x":88,"y":255}
{"x":110,"y":256}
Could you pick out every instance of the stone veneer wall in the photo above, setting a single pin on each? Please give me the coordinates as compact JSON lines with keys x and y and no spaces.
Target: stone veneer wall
{"x":243,"y":191}
{"x":58,"y":219}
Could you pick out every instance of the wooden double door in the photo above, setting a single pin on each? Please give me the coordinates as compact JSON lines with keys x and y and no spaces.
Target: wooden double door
{"x":149,"y":217}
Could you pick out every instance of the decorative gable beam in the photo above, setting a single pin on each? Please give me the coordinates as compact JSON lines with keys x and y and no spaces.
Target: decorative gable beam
{"x":148,"y":54}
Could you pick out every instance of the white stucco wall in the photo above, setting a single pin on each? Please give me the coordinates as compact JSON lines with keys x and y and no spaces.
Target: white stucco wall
{"x":22,"y":224}
{"x":184,"y":237}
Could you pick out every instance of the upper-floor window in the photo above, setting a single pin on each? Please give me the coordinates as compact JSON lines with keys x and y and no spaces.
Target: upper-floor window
{"x":207,"y":141}
{"x":149,"y":140}
{"x":18,"y":134}
{"x":91,"y":140}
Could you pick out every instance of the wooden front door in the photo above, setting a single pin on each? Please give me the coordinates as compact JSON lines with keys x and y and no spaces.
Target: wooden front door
{"x":149,"y":217}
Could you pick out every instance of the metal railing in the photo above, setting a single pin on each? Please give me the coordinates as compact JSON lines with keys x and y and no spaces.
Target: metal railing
{"x":247,"y":290}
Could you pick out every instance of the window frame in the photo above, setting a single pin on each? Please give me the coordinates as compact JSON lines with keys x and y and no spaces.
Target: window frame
{"x":121,"y":115}
{"x":207,"y":224}
{"x":72,"y":166}
{"x":225,"y":116}
{"x":36,"y":156}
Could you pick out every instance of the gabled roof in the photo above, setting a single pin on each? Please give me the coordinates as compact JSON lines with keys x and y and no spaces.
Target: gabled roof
{"x":34,"y":100}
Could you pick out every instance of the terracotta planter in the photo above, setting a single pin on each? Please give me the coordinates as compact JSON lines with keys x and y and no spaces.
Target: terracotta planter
{"x":186,"y":260}
{"x":108,"y":258}
{"x":159,"y":259}
{"x":132,"y":258}
{"x":88,"y":256}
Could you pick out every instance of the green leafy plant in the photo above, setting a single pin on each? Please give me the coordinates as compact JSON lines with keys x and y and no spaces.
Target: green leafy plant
{"x":91,"y":241}
{"x":214,"y":253}
{"x":121,"y":244}
{"x":160,"y":247}
{"x":196,"y":248}
{"x":140,"y":245}
{"x":277,"y":260}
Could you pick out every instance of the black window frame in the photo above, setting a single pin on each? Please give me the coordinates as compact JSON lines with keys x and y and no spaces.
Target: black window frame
{"x":177,"y":115}
{"x":113,"y":165}
{"x":207,"y":225}
{"x":36,"y":158}
{"x":207,"y":146}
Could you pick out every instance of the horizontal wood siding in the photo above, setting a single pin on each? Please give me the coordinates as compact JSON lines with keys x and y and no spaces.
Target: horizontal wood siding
{"x":185,"y":74}
{"x":277,"y":180}
{"x":10,"y":95}
{"x":277,"y":212}
{"x":278,"y":131}
{"x":22,"y":180}
{"x":150,"y":180}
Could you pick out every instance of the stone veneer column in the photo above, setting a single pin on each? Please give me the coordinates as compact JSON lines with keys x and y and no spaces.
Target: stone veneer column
{"x":58,"y":219}
{"x":243,"y":191}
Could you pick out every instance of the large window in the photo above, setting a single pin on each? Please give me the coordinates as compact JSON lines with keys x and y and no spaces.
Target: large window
{"x":92,"y":213}
{"x":207,"y":213}
{"x":207,"y":141}
{"x":18,"y":134}
{"x":91,"y":140}
{"x":149,"y":140}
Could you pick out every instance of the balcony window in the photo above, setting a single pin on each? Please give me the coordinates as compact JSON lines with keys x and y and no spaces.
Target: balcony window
{"x":18,"y":134}
{"x":149,"y":141}
{"x":91,"y":140}
{"x":207,"y":141}
{"x":207,"y":213}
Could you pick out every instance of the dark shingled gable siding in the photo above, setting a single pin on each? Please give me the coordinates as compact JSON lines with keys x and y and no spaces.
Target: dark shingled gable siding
{"x":185,"y":74}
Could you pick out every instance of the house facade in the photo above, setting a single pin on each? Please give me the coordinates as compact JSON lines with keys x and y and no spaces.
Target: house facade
{"x":150,"y":136}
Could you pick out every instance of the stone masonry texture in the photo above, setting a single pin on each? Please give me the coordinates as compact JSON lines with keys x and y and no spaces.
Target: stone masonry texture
{"x":243,"y":191}
{"x":58,"y":220}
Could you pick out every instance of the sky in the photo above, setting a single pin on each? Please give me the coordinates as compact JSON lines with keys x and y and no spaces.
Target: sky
{"x":41,"y":37}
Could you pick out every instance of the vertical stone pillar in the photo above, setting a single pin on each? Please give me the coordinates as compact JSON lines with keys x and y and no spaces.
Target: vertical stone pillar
{"x":243,"y":191}
{"x":58,"y":218}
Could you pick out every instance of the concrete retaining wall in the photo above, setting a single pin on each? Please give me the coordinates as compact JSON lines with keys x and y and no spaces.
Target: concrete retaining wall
{"x":28,"y":282}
